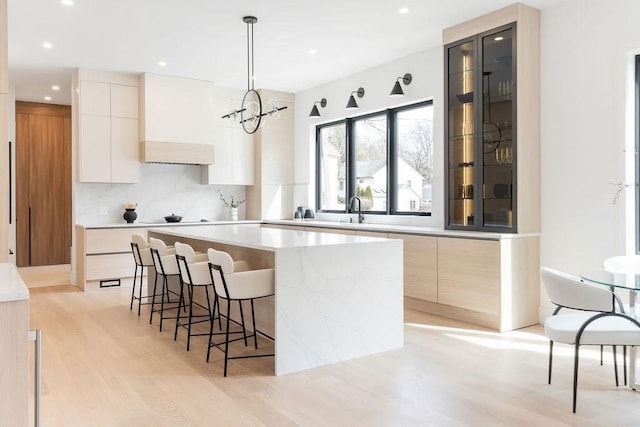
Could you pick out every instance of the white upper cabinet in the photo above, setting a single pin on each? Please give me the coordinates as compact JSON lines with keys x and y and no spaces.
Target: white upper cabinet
{"x":108,"y":127}
{"x":124,"y":101}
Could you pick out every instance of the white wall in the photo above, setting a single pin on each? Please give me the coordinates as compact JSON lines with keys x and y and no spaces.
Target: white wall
{"x":585,"y":52}
{"x":426,"y":68}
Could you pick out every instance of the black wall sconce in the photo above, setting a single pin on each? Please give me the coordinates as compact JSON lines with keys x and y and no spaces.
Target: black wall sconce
{"x":397,"y":89}
{"x":352,"y":104}
{"x":314,"y":111}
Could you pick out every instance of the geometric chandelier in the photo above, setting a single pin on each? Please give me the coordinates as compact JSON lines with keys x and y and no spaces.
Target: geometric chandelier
{"x":251,"y":113}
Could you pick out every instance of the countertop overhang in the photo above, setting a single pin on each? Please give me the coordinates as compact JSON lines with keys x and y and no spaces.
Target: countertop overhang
{"x":12,"y":288}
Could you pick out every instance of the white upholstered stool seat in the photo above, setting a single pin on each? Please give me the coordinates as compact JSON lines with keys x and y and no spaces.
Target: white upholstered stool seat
{"x":233,"y":285}
{"x":142,"y":257}
{"x":166,"y":265}
{"x":194,"y":273}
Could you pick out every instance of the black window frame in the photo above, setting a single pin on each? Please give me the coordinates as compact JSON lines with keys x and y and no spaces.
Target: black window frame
{"x":350,"y":173}
{"x":637,"y":151}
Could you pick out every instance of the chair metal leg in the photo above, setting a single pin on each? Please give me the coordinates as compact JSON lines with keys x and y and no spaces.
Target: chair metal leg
{"x":133,"y":290}
{"x":226,"y":338}
{"x":601,"y":351}
{"x":153,"y":298}
{"x":550,"y":359}
{"x":624,"y":363}
{"x":244,"y":329}
{"x":211,"y":343}
{"x":140,"y":290}
{"x":180,"y":303}
{"x":615,"y":364}
{"x":190,"y":316}
{"x":165,"y":289}
{"x":575,"y":377}
{"x":255,"y":332}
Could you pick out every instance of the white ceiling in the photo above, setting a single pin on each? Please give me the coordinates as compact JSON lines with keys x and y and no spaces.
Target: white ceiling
{"x":206,"y":39}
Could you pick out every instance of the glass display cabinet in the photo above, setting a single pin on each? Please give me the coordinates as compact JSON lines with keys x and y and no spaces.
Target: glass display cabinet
{"x":480,"y":131}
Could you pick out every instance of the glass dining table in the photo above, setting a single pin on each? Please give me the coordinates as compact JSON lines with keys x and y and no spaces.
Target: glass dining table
{"x":629,"y":281}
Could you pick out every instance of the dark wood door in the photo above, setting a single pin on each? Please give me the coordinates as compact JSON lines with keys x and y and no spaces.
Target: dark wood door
{"x":43,"y":184}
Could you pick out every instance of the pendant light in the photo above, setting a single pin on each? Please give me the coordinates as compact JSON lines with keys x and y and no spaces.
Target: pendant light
{"x":251,"y":114}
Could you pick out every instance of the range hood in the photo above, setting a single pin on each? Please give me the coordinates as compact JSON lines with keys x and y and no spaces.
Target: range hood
{"x":176,"y":152}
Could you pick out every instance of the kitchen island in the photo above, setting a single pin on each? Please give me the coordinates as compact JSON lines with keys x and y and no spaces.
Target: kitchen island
{"x":337,"y":297}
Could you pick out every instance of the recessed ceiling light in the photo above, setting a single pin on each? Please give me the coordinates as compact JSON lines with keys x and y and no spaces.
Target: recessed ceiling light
{"x":499,"y":38}
{"x":47,"y":45}
{"x":47,"y":98}
{"x":162,"y":63}
{"x":403,"y":10}
{"x":55,"y":87}
{"x":312,"y":51}
{"x":67,"y":2}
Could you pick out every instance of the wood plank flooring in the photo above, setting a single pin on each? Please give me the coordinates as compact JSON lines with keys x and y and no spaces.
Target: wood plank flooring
{"x":105,"y":366}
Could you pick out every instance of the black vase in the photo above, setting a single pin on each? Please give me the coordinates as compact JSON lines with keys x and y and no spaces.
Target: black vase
{"x":130,"y":215}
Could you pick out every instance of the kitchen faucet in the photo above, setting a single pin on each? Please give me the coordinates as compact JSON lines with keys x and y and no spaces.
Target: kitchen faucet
{"x":360,"y":216}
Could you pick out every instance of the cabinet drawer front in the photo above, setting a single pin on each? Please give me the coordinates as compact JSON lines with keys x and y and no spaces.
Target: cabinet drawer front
{"x":469,"y":274}
{"x":112,"y":266}
{"x":420,"y":255}
{"x":110,"y":240}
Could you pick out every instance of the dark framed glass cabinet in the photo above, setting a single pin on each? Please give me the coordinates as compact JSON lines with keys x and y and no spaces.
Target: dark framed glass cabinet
{"x":480,"y":132}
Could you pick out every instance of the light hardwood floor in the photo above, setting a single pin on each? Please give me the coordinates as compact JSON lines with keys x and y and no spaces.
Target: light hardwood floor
{"x":105,"y":366}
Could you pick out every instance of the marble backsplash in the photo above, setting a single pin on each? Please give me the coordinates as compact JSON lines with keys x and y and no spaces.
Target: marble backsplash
{"x":164,"y":189}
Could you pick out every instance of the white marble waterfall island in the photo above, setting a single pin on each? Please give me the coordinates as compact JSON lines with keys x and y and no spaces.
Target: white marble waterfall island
{"x":337,"y":297}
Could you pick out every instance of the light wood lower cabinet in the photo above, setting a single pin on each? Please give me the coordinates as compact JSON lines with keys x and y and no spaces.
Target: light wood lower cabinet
{"x":491,"y":283}
{"x":420,"y":266}
{"x":469,"y":274}
{"x":103,"y":256}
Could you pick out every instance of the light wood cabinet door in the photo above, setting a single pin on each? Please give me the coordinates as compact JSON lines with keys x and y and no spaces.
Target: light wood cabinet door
{"x":420,"y":254}
{"x":109,"y":266}
{"x":124,"y":101}
{"x":95,"y":98}
{"x":469,"y":274}
{"x":125,"y":154}
{"x":95,"y":148}
{"x":110,"y":240}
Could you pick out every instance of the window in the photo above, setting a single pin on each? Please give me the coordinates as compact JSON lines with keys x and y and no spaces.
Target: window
{"x":385,"y":158}
{"x":332,"y":156}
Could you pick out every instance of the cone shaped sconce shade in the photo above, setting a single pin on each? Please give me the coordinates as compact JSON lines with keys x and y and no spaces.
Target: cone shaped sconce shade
{"x":314,"y":111}
{"x":352,"y":104}
{"x":397,"y":89}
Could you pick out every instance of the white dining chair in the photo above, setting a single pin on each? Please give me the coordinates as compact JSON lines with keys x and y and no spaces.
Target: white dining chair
{"x":600,"y":324}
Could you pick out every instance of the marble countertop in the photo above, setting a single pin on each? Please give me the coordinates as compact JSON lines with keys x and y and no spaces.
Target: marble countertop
{"x":401,"y":229}
{"x":269,"y":239}
{"x":12,"y":288}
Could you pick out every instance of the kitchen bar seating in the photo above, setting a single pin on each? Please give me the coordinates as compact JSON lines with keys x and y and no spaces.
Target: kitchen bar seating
{"x":194,"y":274}
{"x":142,"y":258}
{"x":166,"y":265}
{"x":240,"y":286}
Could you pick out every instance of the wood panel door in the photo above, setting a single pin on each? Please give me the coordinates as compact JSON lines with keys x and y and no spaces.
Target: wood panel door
{"x":43,"y":184}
